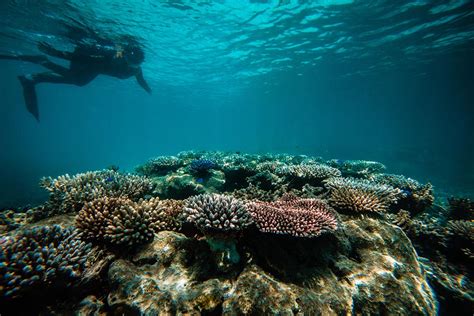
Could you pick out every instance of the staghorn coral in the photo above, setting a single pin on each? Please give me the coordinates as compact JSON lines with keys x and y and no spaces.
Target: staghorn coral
{"x":416,"y":196}
{"x":159,"y":166}
{"x":43,"y":256}
{"x":293,"y":216}
{"x":460,"y":241}
{"x":402,"y":219}
{"x":11,"y":219}
{"x":266,"y":180}
{"x":216,"y":212}
{"x":69,"y":193}
{"x":461,"y":208}
{"x":221,"y":218}
{"x":308,"y":171}
{"x":360,"y":195}
{"x":165,"y":214}
{"x":462,"y":229}
{"x":253,"y":192}
{"x":356,"y":168}
{"x":271,"y":166}
{"x":118,"y":221}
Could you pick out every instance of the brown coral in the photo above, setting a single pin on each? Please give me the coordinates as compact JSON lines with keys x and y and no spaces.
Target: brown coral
{"x":165,"y":214}
{"x":69,"y":193}
{"x":117,"y":221}
{"x":416,"y":196}
{"x":361,"y":195}
{"x":293,"y":216}
{"x":461,"y":208}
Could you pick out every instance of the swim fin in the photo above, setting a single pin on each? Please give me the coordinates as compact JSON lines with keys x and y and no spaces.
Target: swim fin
{"x":29,"y":93}
{"x":37,"y":59}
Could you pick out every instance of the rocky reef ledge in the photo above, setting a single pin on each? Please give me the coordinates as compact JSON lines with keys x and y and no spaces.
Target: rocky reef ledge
{"x":212,"y":233}
{"x":368,"y":267}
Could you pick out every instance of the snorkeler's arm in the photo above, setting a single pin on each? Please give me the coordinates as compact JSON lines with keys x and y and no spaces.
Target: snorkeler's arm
{"x":141,"y":81}
{"x":51,"y":51}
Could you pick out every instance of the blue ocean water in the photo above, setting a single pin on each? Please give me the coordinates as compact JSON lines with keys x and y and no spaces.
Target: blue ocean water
{"x":390,"y":81}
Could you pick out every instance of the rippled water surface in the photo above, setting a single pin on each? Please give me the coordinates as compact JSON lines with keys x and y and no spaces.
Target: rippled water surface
{"x":232,"y":41}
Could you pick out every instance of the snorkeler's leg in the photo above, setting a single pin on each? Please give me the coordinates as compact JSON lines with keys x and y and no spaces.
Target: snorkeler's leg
{"x":28,"y":83}
{"x":29,"y":94}
{"x":37,"y":59}
{"x":51,"y":51}
{"x":40,"y":60}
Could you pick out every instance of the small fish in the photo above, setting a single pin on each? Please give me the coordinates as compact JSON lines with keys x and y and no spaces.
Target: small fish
{"x":199,"y":180}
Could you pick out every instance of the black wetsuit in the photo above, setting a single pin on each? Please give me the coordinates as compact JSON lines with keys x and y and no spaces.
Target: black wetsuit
{"x":86,"y":63}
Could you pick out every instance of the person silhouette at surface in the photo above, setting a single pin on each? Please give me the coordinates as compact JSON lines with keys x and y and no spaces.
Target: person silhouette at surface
{"x":86,"y":62}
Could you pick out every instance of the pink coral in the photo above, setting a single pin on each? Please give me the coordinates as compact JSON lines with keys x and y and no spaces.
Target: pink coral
{"x":293,"y":216}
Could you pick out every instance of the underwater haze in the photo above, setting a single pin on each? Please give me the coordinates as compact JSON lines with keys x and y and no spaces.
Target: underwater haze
{"x":389,"y":81}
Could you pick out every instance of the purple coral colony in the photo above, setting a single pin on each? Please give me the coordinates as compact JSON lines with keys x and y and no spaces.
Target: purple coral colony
{"x":236,"y":234}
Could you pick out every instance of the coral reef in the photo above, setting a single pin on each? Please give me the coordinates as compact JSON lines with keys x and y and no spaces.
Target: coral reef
{"x":373,"y":271}
{"x":201,"y":167}
{"x":69,"y":193}
{"x":308,"y":171}
{"x":293,"y":216}
{"x":416,"y":197}
{"x":118,"y":221}
{"x":356,"y":168}
{"x":181,"y":185}
{"x":40,"y":257}
{"x":166,"y":214}
{"x":461,"y":239}
{"x":360,"y":195}
{"x":216,"y":212}
{"x":461,"y":208}
{"x":230,"y":233}
{"x":11,"y":219}
{"x":159,"y":166}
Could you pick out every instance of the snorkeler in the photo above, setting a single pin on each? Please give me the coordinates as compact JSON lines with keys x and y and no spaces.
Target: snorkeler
{"x":87,"y":61}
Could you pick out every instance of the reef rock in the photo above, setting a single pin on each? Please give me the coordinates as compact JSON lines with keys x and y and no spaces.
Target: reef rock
{"x":367,"y":267}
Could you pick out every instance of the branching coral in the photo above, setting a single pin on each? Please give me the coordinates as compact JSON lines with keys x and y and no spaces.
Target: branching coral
{"x":271,"y":166}
{"x":461,"y":238}
{"x":461,"y":228}
{"x":165,"y":214}
{"x":159,"y":166}
{"x":402,"y":219}
{"x":356,"y":168}
{"x":308,"y":171}
{"x":216,"y":212}
{"x":221,"y":218}
{"x":69,"y":193}
{"x":41,"y":256}
{"x":253,"y":192}
{"x":361,"y":195}
{"x":118,"y":221}
{"x":461,"y":208}
{"x":416,"y":196}
{"x":11,"y":219}
{"x":293,"y":216}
